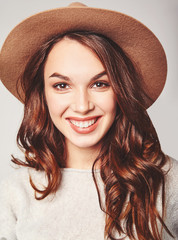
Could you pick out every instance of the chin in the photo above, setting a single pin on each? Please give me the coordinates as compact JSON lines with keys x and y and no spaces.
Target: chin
{"x":85,"y":144}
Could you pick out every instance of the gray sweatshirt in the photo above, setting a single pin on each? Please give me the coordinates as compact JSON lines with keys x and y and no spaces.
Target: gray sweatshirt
{"x":73,"y":213}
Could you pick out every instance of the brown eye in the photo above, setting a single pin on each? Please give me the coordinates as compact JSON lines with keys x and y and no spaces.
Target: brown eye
{"x":100,"y":85}
{"x":60,"y":86}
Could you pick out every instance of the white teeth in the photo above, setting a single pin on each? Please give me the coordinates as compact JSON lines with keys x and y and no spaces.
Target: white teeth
{"x":83,"y":124}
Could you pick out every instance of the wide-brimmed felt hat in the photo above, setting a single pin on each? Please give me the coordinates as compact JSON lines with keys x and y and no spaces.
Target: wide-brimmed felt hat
{"x":136,"y":40}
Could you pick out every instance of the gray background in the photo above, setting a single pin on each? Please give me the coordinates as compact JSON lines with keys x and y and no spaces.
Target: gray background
{"x":161,"y":16}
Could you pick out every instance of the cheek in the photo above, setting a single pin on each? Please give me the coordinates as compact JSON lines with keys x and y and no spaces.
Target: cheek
{"x":108,"y":104}
{"x":56,"y":105}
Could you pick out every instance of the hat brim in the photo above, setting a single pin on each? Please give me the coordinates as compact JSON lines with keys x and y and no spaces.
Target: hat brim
{"x":136,"y":39}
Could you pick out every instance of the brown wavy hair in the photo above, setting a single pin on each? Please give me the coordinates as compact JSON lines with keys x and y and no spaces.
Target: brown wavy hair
{"x":131,"y":156}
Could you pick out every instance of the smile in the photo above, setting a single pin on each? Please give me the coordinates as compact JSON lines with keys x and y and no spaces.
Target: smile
{"x":84,"y":126}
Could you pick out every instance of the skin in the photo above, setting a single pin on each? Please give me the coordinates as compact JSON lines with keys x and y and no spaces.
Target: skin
{"x":77,"y":88}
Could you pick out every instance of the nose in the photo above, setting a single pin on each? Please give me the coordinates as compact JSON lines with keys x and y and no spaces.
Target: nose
{"x":82,"y":102}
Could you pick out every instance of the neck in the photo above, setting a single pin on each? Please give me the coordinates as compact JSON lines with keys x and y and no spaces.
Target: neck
{"x":81,"y":158}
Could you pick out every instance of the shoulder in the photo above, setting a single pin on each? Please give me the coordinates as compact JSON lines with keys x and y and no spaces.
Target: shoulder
{"x":171,"y":194}
{"x":18,"y":183}
{"x":171,"y":180}
{"x":171,"y":176}
{"x":17,"y":176}
{"x":171,"y":183}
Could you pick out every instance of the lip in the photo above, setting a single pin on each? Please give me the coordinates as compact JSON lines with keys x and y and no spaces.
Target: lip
{"x":87,"y":129}
{"x":82,"y":119}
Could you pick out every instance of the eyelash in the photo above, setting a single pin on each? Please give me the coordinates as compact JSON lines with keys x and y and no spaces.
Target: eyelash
{"x":59,"y":87}
{"x":60,"y":84}
{"x":104,"y":84}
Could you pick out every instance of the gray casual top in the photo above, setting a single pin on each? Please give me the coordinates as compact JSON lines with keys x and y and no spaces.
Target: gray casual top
{"x":73,"y":213}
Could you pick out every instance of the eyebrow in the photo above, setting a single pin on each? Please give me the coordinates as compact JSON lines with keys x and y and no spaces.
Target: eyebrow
{"x":58,"y":75}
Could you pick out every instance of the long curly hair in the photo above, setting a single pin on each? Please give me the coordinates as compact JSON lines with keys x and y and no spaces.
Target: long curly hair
{"x":131,"y":157}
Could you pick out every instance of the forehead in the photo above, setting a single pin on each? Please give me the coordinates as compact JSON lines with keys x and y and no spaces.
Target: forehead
{"x":71,"y":57}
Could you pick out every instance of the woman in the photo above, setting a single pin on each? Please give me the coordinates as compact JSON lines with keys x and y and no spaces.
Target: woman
{"x":93,"y":165}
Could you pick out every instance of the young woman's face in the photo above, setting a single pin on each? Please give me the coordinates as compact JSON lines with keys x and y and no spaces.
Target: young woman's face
{"x":80,"y":99}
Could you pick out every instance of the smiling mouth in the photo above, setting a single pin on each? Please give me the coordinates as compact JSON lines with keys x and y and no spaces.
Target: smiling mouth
{"x":83,"y":124}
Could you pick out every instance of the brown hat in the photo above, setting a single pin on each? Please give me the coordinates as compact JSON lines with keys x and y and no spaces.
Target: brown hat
{"x":136,"y":40}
